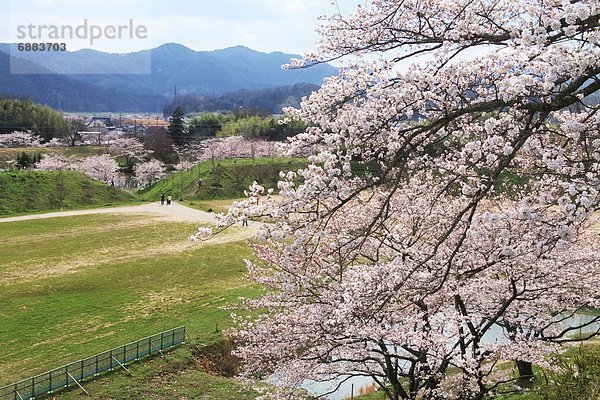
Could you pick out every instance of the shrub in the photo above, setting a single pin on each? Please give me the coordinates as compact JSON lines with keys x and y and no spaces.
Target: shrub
{"x":574,"y":375}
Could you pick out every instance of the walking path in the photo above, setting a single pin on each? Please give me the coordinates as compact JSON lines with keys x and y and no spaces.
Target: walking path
{"x":173,"y":212}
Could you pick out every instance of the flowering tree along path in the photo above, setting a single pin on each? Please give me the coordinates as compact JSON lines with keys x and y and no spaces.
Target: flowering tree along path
{"x":470,"y":209}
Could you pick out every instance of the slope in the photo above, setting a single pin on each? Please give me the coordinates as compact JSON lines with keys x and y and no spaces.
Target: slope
{"x":222,"y":179}
{"x":33,"y":191}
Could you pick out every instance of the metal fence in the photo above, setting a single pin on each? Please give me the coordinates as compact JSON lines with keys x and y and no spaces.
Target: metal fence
{"x":71,"y":374}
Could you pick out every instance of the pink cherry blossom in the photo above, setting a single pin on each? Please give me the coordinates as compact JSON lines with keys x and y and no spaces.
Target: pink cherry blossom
{"x":19,"y":139}
{"x":103,"y":167}
{"x":54,"y":162}
{"x":149,"y":172}
{"x":452,"y":193}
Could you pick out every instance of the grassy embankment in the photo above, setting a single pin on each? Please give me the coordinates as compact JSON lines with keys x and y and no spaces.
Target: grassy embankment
{"x":35,"y":191}
{"x":27,"y":191}
{"x":222,"y":179}
{"x":74,"y":286}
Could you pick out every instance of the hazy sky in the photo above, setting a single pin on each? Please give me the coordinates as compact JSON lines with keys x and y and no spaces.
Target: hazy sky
{"x":264,"y":25}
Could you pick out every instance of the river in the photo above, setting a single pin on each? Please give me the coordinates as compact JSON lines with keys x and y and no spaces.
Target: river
{"x":496,"y":334}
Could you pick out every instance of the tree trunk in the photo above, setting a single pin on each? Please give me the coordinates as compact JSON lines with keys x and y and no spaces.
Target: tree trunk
{"x":525,"y":373}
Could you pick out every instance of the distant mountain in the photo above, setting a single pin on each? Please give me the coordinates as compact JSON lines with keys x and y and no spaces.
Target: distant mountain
{"x":58,"y":91}
{"x":158,"y":71}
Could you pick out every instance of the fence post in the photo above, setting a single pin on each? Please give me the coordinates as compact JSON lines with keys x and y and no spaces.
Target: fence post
{"x":18,"y":394}
{"x":137,"y":350}
{"x":111,"y":360}
{"x":96,"y":370}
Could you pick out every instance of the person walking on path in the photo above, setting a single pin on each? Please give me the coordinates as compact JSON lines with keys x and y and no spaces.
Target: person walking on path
{"x":169,"y":198}
{"x":162,"y":199}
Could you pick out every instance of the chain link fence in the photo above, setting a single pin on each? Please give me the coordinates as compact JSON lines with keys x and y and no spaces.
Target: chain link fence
{"x":71,"y":374}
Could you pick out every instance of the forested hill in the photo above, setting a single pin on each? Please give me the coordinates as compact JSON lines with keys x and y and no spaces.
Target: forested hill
{"x":57,"y":79}
{"x":270,"y":100}
{"x":68,"y":94}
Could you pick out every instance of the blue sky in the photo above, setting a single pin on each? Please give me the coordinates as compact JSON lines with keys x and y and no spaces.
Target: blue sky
{"x":264,"y":25}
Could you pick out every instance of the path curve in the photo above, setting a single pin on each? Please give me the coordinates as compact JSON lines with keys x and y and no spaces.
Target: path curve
{"x":172,"y":213}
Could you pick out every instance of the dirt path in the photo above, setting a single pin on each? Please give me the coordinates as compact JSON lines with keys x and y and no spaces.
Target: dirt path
{"x":173,"y":212}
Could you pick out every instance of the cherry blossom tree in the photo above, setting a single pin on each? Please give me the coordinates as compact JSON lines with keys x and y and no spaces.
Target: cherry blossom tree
{"x":54,"y":162}
{"x":456,"y":176}
{"x":183,"y":165}
{"x":19,"y":139}
{"x":54,"y":142}
{"x":149,"y":172}
{"x":238,"y":147}
{"x":103,"y":168}
{"x":189,"y":154}
{"x":130,"y":148}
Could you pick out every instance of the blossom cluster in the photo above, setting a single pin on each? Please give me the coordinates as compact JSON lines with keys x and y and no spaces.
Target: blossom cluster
{"x":20,"y":139}
{"x":237,"y":147}
{"x":101,"y":167}
{"x":451,"y":194}
{"x":149,"y":172}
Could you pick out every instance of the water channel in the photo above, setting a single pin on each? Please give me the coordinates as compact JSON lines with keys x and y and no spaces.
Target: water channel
{"x":496,"y":334}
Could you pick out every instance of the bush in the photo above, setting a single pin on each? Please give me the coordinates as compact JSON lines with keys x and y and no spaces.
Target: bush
{"x":574,"y":375}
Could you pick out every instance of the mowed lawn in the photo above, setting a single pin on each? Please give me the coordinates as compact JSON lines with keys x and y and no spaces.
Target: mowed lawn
{"x":74,"y":286}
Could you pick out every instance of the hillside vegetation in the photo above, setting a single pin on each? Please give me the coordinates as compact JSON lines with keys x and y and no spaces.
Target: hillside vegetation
{"x":23,"y":115}
{"x":34,"y":191}
{"x":98,"y":81}
{"x":222,"y":179}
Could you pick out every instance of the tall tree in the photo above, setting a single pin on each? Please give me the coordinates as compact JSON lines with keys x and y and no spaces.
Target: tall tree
{"x":72,"y":133}
{"x":176,"y":128}
{"x":450,"y":195}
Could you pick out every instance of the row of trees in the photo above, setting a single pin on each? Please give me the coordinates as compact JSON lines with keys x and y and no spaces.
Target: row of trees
{"x":402,"y":273}
{"x":104,"y":168}
{"x":24,"y":115}
{"x":247,"y":124}
{"x":129,"y":156}
{"x":124,"y":156}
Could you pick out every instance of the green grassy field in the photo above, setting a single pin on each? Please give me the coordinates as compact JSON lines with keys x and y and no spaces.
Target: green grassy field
{"x":74,"y":286}
{"x":216,"y":206}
